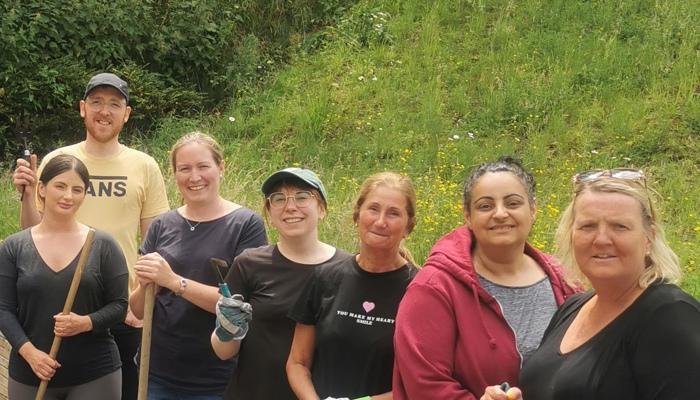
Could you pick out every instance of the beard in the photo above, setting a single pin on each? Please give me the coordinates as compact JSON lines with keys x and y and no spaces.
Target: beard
{"x":103,"y":133}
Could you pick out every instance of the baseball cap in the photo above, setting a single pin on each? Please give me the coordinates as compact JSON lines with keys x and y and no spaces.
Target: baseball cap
{"x":306,"y":175}
{"x":107,"y":79}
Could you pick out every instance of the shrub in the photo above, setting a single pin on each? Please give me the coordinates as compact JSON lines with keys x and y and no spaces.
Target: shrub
{"x":180,"y":57}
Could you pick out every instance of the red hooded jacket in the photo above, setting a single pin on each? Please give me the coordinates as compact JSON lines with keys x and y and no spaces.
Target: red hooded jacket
{"x":451,"y":339}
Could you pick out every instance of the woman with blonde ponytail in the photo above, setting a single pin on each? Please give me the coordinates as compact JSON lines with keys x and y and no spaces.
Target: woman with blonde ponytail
{"x":343,"y":341}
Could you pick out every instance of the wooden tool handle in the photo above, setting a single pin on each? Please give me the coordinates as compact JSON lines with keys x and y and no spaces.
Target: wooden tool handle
{"x":145,"y":349}
{"x":68,"y":304}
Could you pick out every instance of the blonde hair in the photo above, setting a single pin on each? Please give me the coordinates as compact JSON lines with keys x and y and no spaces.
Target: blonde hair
{"x":661,"y":262}
{"x":395,"y":181}
{"x":200,"y":138}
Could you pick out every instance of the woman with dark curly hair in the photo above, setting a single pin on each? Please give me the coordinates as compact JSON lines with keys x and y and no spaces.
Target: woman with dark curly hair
{"x":477,"y":309}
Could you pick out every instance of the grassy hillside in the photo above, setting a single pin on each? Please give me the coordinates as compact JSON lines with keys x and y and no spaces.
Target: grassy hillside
{"x":432,"y":88}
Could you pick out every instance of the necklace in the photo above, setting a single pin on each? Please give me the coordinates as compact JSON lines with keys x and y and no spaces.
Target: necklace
{"x":193,"y":227}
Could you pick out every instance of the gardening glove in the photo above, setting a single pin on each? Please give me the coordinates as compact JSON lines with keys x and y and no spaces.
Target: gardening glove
{"x":232,"y":317}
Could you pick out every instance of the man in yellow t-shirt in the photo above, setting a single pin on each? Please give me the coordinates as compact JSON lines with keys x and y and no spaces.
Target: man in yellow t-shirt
{"x":126,"y":192}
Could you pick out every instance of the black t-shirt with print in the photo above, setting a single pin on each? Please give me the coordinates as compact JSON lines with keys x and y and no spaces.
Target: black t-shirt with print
{"x":353,"y":312}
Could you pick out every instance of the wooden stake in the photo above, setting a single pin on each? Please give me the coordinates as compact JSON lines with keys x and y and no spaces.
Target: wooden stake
{"x":145,"y":350}
{"x":68,"y":304}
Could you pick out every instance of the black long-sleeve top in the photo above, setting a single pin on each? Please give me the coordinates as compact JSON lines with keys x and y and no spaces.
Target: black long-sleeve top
{"x":31,"y":293}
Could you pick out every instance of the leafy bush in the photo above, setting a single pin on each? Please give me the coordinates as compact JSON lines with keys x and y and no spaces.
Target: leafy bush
{"x":180,"y":57}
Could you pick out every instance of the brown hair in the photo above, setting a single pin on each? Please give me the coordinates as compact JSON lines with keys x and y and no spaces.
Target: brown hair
{"x":63,"y":163}
{"x":504,"y":163}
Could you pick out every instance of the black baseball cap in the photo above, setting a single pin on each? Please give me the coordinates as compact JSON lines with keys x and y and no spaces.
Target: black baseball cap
{"x":108,"y":79}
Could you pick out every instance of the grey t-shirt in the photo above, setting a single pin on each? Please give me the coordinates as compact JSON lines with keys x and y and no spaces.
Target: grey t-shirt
{"x":527,"y":310}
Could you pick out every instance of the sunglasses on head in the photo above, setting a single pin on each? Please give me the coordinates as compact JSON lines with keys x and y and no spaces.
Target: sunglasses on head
{"x":627,"y":174}
{"x":617,"y":173}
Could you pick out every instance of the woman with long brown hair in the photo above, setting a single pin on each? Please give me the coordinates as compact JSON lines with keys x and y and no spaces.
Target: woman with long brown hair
{"x":36,"y":269}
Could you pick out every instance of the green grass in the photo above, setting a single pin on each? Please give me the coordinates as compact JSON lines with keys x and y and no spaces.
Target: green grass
{"x":444,"y":85}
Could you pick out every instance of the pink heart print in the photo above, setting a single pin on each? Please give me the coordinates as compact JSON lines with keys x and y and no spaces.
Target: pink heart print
{"x":368,"y":306}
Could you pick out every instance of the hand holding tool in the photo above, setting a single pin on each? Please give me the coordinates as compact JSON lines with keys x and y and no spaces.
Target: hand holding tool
{"x":232,"y":312}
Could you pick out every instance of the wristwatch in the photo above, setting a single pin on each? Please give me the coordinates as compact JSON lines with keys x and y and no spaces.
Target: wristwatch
{"x":183,"y":285}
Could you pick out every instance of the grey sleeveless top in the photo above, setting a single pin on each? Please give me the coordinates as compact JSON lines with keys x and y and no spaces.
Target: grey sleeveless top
{"x":527,"y":310}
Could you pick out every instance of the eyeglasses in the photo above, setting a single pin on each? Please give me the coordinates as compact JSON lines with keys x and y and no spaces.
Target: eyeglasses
{"x":302,"y":199}
{"x":617,"y":173}
{"x":112,"y":107}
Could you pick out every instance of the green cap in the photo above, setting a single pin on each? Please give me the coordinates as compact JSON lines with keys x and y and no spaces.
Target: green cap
{"x":305,"y":175}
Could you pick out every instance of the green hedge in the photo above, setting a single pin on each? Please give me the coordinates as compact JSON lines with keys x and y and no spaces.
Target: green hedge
{"x":179,"y":57}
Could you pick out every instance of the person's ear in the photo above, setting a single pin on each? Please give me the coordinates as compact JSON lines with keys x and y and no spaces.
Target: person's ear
{"x":467,"y":218}
{"x":81,"y":106}
{"x":41,"y":190}
{"x":127,"y":112}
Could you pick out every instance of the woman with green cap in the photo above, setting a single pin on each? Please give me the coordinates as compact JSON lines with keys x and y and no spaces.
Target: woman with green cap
{"x":270,"y":279}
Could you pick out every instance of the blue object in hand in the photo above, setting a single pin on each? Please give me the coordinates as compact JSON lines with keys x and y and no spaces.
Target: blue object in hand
{"x":223,"y":289}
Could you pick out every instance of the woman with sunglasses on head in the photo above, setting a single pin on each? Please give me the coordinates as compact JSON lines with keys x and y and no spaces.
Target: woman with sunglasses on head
{"x":477,"y":309}
{"x":635,"y":334}
{"x":177,"y":257}
{"x":342,"y":345}
{"x":270,"y":278}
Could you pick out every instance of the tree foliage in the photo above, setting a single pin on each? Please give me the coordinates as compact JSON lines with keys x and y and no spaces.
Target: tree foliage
{"x":180,"y":57}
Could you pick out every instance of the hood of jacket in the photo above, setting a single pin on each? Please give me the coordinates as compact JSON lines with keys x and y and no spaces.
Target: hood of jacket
{"x":452,"y":254}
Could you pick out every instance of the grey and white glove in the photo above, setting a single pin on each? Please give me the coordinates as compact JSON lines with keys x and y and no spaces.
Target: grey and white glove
{"x":232,"y":317}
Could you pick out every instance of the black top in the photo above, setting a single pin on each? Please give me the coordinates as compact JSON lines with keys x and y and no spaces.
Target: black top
{"x":354,"y":313}
{"x":271,"y":283}
{"x":31,"y":293}
{"x":650,"y":351}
